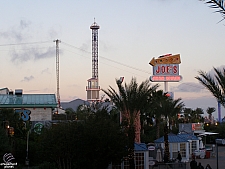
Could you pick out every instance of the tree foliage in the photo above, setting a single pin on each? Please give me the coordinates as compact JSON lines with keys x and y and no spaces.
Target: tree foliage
{"x":215,"y":4}
{"x":131,"y":100}
{"x":91,"y":144}
{"x":215,"y":84}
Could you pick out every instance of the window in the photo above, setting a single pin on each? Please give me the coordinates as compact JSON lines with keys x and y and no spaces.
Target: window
{"x":126,"y":163}
{"x":194,"y":146}
{"x":139,"y":161}
{"x":183,"y":149}
{"x":174,"y":149}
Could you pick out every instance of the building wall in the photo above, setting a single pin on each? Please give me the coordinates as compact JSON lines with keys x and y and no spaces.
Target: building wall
{"x":40,"y":114}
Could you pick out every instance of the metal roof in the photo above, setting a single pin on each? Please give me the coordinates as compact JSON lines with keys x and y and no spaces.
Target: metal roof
{"x":188,"y":136}
{"x":172,"y":139}
{"x":140,"y":147}
{"x":27,"y":100}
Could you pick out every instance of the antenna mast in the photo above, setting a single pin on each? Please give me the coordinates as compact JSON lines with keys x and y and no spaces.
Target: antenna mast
{"x":57,"y":69}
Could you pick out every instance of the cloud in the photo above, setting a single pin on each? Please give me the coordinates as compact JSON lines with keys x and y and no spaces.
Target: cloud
{"x":84,"y":47}
{"x":24,"y":24}
{"x":188,"y":87}
{"x":45,"y":71}
{"x":52,"y":33}
{"x":194,"y":87}
{"x":31,"y":54}
{"x":23,"y":33}
{"x":27,"y":79}
{"x":17,"y":33}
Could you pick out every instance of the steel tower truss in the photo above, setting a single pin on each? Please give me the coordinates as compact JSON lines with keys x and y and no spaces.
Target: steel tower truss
{"x":94,"y":28}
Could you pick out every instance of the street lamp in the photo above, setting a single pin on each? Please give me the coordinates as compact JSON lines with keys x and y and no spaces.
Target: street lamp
{"x":27,"y":159}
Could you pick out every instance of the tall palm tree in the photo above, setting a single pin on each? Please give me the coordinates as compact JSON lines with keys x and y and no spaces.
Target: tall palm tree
{"x":187,"y":112}
{"x":215,"y":84}
{"x":210,"y":110}
{"x":168,"y":108}
{"x":130,"y":100}
{"x":165,"y":107}
{"x":157,"y":97}
{"x":199,"y":112}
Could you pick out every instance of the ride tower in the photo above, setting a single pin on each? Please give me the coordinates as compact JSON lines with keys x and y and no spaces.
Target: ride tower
{"x":93,"y":87}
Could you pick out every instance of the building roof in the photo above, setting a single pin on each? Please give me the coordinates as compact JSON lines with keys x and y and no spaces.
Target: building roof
{"x":172,"y":138}
{"x":4,"y":89}
{"x":188,"y":136}
{"x":28,"y":100}
{"x":140,"y":147}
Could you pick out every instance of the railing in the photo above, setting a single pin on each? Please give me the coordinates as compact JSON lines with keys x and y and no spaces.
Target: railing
{"x":93,"y":87}
{"x":176,"y":165}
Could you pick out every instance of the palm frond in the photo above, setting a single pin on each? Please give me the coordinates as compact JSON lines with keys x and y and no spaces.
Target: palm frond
{"x":215,"y":84}
{"x":216,"y":5}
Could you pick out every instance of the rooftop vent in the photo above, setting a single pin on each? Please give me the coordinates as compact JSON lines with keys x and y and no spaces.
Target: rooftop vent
{"x":18,"y":92}
{"x":10,"y":92}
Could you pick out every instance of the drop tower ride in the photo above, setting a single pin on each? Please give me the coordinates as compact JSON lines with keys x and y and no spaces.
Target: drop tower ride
{"x":93,"y":87}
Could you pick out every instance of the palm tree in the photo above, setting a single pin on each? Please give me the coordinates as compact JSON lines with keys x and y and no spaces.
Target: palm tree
{"x":130,"y":100}
{"x":157,"y":96}
{"x":215,"y":84}
{"x":165,"y":107}
{"x":187,"y":112}
{"x":210,"y":110}
{"x":199,"y":111}
{"x":168,"y":108}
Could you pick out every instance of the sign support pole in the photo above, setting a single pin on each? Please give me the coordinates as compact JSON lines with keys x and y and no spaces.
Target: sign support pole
{"x":165,"y":87}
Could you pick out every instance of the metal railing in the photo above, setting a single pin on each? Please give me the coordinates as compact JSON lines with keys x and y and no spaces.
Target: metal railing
{"x":176,"y":165}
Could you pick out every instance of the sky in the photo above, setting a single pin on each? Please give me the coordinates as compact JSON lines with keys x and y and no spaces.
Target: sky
{"x":131,"y":33}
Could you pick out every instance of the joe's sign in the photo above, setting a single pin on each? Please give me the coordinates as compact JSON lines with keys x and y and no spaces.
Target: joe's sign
{"x":166,"y":69}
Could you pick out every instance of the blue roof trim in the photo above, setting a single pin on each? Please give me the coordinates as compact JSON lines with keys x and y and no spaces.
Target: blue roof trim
{"x":172,"y":139}
{"x":140,"y":147}
{"x":188,"y":136}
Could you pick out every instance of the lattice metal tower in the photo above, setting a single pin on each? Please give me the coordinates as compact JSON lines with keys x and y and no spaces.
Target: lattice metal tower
{"x":57,"y":69}
{"x":93,"y":88}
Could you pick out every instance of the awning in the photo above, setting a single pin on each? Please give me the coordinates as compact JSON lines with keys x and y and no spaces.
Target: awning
{"x":207,"y":134}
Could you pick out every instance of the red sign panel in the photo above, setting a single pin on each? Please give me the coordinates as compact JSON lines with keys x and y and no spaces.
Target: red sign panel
{"x":176,"y":78}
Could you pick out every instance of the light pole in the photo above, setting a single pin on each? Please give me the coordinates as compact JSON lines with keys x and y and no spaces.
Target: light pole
{"x":27,"y":159}
{"x":218,"y":141}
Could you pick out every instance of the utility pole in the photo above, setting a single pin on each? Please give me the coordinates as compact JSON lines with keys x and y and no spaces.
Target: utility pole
{"x":57,"y":69}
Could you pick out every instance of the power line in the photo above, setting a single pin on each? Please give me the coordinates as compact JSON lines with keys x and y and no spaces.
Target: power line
{"x":131,"y":67}
{"x":104,"y":63}
{"x":28,"y":43}
{"x":141,"y":70}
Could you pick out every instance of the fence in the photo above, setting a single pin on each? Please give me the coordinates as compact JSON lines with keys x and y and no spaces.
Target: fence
{"x":181,"y":165}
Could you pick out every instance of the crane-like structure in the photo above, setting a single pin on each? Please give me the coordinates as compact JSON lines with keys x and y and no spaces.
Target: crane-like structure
{"x":57,"y":69}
